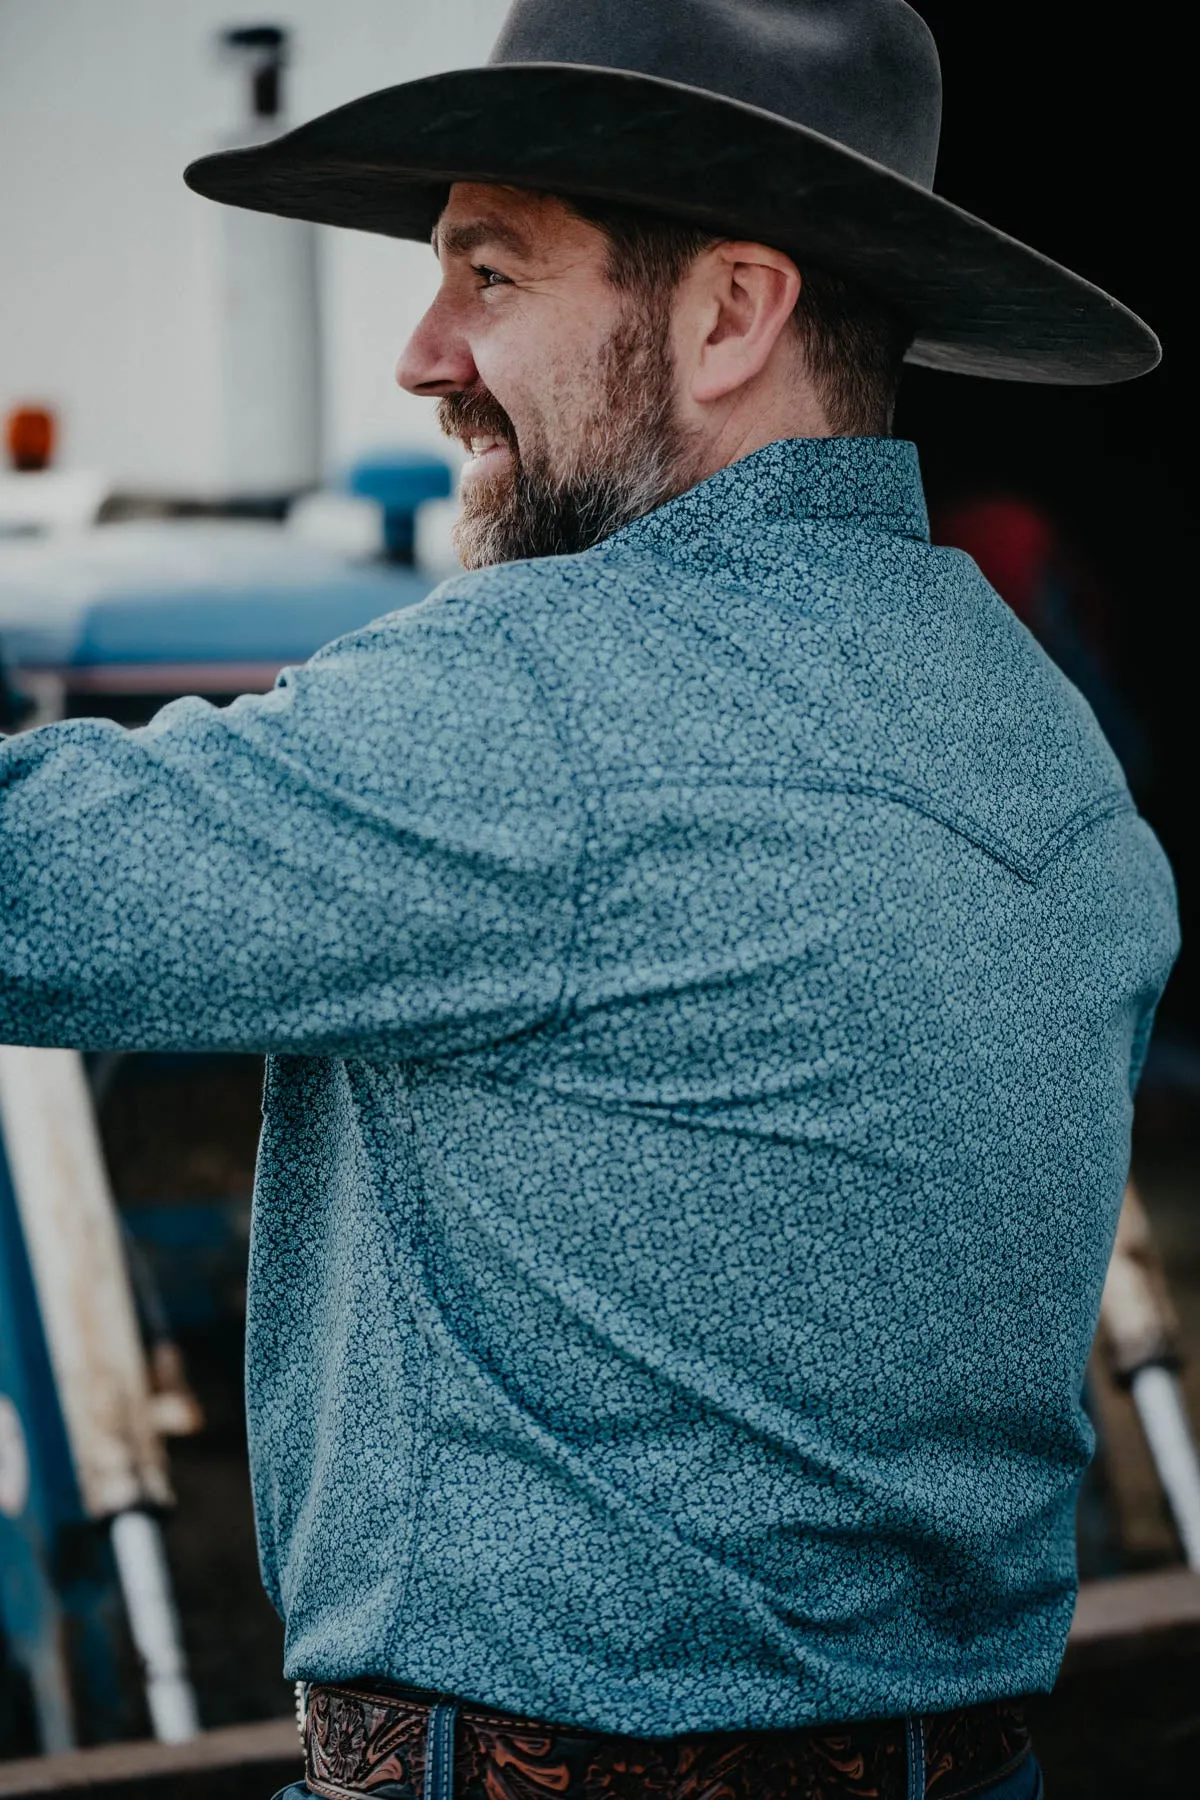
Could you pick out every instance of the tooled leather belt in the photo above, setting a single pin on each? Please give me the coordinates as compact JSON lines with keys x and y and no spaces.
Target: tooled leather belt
{"x":403,"y":1744}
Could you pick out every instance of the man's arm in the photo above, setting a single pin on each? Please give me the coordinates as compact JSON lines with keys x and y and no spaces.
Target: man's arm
{"x":376,"y":858}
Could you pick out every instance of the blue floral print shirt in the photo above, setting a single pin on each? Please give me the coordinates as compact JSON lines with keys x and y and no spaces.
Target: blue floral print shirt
{"x":704,"y":982}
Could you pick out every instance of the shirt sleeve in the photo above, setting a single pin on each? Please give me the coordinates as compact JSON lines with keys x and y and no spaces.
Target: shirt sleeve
{"x":376,"y":858}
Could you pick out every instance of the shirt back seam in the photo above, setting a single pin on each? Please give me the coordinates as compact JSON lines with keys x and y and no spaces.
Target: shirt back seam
{"x":1030,"y":865}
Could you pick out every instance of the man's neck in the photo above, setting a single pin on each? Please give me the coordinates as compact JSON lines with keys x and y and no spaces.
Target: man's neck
{"x":751,"y":427}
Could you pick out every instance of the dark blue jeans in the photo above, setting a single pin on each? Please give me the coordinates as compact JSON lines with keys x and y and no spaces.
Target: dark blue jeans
{"x":1025,"y":1784}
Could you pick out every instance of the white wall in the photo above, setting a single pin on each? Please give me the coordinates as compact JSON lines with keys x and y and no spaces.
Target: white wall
{"x":108,"y":264}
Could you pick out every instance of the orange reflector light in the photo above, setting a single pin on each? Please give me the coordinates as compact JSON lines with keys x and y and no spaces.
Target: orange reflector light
{"x":29,"y":432}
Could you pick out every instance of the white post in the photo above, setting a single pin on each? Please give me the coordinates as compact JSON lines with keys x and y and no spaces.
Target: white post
{"x":1139,"y":1322}
{"x":146,"y":1586}
{"x":77,"y":1260}
{"x":1159,"y":1402}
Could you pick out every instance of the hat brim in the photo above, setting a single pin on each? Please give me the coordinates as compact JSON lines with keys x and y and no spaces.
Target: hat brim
{"x":980,"y":302}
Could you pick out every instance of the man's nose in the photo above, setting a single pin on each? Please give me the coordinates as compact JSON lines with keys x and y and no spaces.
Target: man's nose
{"x":436,"y":359}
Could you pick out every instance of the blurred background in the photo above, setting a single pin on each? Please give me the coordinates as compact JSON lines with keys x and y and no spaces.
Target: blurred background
{"x":208,"y":472}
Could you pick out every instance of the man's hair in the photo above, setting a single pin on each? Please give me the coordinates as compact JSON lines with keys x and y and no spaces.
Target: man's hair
{"x":853,"y":343}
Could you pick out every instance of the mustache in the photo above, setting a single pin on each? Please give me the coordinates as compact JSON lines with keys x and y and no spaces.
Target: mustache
{"x":475,"y":413}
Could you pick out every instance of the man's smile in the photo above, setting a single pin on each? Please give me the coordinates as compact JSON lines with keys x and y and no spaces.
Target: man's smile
{"x":486,"y":454}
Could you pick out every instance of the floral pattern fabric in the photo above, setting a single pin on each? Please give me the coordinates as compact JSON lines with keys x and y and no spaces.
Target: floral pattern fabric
{"x":704,"y":981}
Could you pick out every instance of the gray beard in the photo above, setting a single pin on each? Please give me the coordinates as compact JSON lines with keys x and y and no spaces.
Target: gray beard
{"x":632,"y":455}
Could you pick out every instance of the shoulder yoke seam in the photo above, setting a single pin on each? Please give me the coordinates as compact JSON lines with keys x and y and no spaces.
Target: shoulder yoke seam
{"x":1031,"y":866}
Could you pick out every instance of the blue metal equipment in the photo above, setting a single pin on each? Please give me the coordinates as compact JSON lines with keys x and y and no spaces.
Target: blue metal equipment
{"x":157,"y":607}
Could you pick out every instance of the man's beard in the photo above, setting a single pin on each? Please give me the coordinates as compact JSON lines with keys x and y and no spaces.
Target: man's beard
{"x":631,"y":455}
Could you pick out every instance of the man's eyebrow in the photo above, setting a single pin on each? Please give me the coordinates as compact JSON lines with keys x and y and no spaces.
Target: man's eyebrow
{"x":460,"y":240}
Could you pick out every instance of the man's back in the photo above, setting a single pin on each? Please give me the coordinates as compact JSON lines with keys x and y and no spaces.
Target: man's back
{"x":686,"y":1327}
{"x":704,"y":980}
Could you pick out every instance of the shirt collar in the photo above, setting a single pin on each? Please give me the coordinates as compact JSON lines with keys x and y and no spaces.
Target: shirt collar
{"x":869,"y":484}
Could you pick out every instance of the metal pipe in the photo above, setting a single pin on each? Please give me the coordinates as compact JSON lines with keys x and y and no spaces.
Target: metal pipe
{"x":146,"y":1587}
{"x":1159,"y":1402}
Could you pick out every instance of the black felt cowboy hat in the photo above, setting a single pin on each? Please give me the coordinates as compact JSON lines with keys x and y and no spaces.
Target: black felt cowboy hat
{"x":810,"y":125}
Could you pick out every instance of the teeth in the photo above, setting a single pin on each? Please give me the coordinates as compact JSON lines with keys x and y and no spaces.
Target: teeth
{"x":480,"y":444}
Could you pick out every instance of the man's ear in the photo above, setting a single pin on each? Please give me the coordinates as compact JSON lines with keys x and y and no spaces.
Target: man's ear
{"x":743,"y":296}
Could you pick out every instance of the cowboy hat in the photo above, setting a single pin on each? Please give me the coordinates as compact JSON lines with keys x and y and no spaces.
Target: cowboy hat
{"x":810,"y":125}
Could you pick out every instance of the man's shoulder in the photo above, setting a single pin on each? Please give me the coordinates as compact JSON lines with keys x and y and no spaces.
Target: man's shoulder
{"x":460,"y":666}
{"x":509,"y":626}
{"x":505,"y":593}
{"x":466,"y":621}
{"x":476,"y":614}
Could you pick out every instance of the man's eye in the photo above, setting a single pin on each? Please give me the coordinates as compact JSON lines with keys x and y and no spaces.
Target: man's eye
{"x":489,"y":277}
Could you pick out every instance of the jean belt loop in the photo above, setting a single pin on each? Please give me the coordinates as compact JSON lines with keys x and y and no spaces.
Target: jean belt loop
{"x":914,"y":1733}
{"x":439,"y":1753}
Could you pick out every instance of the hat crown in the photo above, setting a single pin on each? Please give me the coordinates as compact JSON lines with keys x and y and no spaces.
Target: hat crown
{"x":863,"y":72}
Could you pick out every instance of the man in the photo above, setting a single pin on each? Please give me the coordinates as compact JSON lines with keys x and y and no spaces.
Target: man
{"x":705,"y":956}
